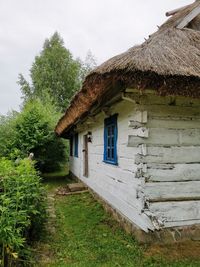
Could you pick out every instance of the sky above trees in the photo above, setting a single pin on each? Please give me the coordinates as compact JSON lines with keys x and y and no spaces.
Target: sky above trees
{"x":106,"y":27}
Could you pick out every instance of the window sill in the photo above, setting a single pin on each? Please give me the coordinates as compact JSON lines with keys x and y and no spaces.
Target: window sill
{"x":110,"y":162}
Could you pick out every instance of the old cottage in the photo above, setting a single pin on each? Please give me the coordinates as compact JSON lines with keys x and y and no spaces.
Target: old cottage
{"x":134,"y":131}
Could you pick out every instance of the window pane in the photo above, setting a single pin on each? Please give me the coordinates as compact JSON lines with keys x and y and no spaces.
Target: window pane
{"x":113,"y":129}
{"x":110,"y":137}
{"x":109,"y":131}
{"x":108,"y":142}
{"x":112,"y":153}
{"x":108,"y":153}
{"x":113,"y":141}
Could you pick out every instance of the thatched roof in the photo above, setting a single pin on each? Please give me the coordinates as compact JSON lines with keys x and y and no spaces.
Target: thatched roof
{"x":169,"y":62}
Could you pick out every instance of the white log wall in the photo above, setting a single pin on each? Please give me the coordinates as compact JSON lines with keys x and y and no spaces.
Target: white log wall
{"x":172,"y":160}
{"x":157,"y":180}
{"x":117,"y":185}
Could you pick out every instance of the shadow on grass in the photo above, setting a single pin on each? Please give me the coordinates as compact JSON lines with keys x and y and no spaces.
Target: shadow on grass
{"x":56,"y":179}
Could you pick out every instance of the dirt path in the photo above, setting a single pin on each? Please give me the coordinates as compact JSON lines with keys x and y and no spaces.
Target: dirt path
{"x":44,"y":253}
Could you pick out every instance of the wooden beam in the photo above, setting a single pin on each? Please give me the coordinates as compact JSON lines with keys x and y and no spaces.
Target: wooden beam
{"x":173,"y":12}
{"x":195,"y":12}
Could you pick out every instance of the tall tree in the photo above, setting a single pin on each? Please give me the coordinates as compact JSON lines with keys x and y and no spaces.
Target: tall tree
{"x":53,"y":72}
{"x":87,"y":65}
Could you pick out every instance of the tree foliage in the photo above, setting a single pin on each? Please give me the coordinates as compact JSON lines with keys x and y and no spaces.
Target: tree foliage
{"x":55,"y":72}
{"x":87,"y":65}
{"x":55,"y":76}
{"x":32,"y":131}
{"x":7,"y":134}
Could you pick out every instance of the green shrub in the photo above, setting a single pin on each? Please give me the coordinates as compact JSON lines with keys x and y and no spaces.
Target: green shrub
{"x":22,"y":209}
{"x":32,"y":131}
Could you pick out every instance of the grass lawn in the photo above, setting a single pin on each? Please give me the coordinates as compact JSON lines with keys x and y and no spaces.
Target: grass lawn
{"x":85,"y":236}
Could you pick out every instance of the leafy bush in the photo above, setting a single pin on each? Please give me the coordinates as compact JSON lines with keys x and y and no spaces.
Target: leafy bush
{"x":32,"y":131}
{"x":22,"y":209}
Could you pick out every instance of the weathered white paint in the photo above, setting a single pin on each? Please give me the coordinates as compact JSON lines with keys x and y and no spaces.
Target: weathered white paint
{"x":165,"y":191}
{"x":168,"y":137}
{"x":185,"y":154}
{"x":173,"y":172}
{"x":140,"y":116}
{"x":118,"y":185}
{"x":141,"y":132}
{"x":177,"y":211}
{"x":158,"y":160}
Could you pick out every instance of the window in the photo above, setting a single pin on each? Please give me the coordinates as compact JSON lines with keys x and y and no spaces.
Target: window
{"x":110,"y":140}
{"x":76,"y":145}
{"x":71,"y":146}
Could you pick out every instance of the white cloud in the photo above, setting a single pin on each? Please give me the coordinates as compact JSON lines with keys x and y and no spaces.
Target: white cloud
{"x":106,"y":27}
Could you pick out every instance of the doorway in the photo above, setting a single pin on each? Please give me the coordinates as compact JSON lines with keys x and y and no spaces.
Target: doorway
{"x":85,"y":155}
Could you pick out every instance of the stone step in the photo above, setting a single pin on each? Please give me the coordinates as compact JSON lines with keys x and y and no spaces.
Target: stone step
{"x":77,"y":187}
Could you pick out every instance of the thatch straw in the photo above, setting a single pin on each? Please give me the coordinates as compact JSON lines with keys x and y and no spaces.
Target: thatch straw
{"x":169,"y":62}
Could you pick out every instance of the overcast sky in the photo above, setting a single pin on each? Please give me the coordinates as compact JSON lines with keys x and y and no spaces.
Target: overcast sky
{"x":106,"y":27}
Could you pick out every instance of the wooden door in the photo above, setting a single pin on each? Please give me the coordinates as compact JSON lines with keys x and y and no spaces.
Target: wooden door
{"x":85,"y":155}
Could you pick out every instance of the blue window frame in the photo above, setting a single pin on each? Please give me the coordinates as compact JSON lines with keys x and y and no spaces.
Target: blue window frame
{"x":110,"y":140}
{"x":76,"y":145}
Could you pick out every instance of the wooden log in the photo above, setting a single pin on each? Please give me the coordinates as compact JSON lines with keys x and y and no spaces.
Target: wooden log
{"x":173,"y":123}
{"x":173,"y":12}
{"x":178,"y":213}
{"x":141,"y":132}
{"x":173,"y":111}
{"x":132,"y":213}
{"x":168,"y":137}
{"x":140,"y":116}
{"x":149,"y":98}
{"x":170,"y":155}
{"x":173,"y":173}
{"x":170,"y":191}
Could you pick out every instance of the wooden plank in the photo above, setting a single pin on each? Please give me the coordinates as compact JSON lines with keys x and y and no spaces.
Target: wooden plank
{"x":141,"y":132}
{"x":168,"y":123}
{"x":190,"y":154}
{"x":173,"y":12}
{"x":140,"y":116}
{"x":122,"y":175}
{"x":132,"y":213}
{"x":135,"y":124}
{"x":173,"y":111}
{"x":177,"y":172}
{"x":85,"y":151}
{"x":150,"y":98}
{"x":168,"y":137}
{"x":195,"y":12}
{"x":158,"y":192}
{"x":181,"y":223}
{"x":178,"y":212}
{"x":124,"y":191}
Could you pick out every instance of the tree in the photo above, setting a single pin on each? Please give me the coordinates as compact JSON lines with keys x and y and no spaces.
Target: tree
{"x":32,"y":130}
{"x":56,"y":73}
{"x":35,"y":134}
{"x":87,"y":65}
{"x":53,"y":72}
{"x":7,"y":135}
